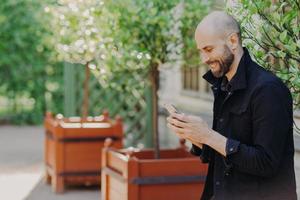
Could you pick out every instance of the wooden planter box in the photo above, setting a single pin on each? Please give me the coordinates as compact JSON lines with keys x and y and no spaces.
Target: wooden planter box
{"x":136,"y":175}
{"x":73,"y":148}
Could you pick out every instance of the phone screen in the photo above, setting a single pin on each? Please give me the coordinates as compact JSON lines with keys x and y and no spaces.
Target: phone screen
{"x":171,"y":108}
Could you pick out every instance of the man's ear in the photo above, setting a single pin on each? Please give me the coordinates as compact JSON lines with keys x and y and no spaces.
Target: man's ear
{"x":233,"y":41}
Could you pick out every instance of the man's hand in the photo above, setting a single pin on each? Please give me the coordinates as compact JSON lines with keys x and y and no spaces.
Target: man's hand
{"x":196,"y":130}
{"x":192,"y":128}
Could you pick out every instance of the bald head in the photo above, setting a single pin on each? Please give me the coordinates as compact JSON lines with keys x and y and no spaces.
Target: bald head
{"x":218,"y":24}
{"x":218,"y":41}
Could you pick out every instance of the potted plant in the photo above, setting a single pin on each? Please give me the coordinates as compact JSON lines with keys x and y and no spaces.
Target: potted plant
{"x":151,"y":173}
{"x":73,"y":145}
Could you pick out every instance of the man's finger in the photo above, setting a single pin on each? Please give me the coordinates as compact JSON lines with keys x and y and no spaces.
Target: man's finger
{"x":179,"y":134}
{"x":175,"y":128}
{"x":182,"y":117}
{"x":177,"y":122}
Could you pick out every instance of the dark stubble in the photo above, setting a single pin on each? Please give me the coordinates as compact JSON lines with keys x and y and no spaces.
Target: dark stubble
{"x":225,"y":62}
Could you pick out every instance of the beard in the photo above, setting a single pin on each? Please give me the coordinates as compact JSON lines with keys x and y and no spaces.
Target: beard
{"x":224,"y":63}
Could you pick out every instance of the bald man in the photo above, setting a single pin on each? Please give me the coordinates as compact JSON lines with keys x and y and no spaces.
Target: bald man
{"x":250,"y":149}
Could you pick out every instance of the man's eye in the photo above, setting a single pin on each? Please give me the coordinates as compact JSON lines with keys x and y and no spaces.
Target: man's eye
{"x":209,"y":50}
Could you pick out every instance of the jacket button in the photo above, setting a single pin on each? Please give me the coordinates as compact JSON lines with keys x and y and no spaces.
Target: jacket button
{"x":221,"y":120}
{"x":218,"y":183}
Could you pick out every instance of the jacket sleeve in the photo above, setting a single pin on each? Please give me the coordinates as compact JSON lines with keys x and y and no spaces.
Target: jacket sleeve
{"x":204,"y":153}
{"x":196,"y":151}
{"x":272,"y":120}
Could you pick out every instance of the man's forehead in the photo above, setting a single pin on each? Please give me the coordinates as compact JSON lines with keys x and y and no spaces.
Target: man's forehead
{"x":207,"y":40}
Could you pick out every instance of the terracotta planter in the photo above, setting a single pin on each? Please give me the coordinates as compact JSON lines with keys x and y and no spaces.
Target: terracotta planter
{"x":136,"y":175}
{"x":73,"y":148}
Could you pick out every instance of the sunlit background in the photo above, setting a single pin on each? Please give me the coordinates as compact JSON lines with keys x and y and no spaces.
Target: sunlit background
{"x":81,"y":57}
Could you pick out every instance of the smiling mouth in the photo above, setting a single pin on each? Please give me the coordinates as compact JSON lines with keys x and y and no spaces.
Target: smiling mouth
{"x":213,"y":65}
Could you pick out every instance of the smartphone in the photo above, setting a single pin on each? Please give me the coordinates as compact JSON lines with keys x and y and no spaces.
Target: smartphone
{"x":171,"y":108}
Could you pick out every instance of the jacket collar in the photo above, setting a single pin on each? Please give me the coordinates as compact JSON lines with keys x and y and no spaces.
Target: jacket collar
{"x":239,"y":80}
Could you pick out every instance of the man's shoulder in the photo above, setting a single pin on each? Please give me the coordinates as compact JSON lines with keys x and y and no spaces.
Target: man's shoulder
{"x":259,"y":77}
{"x":262,"y":81}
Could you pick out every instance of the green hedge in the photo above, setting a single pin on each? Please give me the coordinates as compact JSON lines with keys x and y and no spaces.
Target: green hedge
{"x":27,"y":65}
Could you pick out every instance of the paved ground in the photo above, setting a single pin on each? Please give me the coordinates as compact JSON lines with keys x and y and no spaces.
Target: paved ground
{"x":21,"y":168}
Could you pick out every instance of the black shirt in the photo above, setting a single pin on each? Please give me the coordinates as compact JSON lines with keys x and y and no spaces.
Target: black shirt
{"x":255,"y":112}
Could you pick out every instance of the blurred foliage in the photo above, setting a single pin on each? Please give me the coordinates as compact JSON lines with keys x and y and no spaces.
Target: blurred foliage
{"x":141,"y":30}
{"x":147,"y":34}
{"x":78,"y":29}
{"x":123,"y":40}
{"x":192,"y":15}
{"x":154,"y":31}
{"x":271,"y":31}
{"x":118,"y":37}
{"x":26,"y":61}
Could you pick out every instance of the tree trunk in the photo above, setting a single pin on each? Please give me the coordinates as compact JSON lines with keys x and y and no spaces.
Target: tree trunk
{"x":154,"y":78}
{"x":85,"y":105}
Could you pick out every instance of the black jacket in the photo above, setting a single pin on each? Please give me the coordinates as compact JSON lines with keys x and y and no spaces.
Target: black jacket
{"x":254,"y":111}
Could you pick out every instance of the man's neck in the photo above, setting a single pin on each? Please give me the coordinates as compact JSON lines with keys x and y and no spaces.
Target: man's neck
{"x":235,"y":64}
